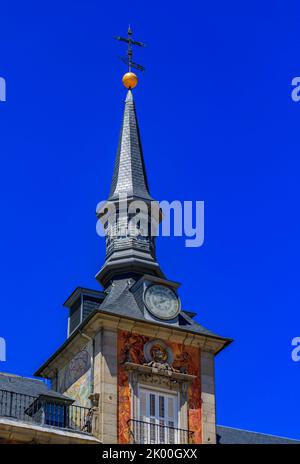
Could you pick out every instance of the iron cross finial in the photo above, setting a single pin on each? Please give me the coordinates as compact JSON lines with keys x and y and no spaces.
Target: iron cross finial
{"x":128,"y":60}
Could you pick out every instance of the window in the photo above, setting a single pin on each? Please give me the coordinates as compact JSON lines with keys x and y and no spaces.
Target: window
{"x":75,"y":316}
{"x":56,"y":415}
{"x":45,"y":412}
{"x":158,"y":417}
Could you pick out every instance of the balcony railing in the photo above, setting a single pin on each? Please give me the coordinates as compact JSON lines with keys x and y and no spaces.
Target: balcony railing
{"x":46,"y":412}
{"x":153,"y":433}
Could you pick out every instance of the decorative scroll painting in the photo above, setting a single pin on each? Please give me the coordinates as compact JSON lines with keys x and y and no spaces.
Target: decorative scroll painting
{"x":186,"y":360}
{"x":75,"y":378}
{"x":130,"y":348}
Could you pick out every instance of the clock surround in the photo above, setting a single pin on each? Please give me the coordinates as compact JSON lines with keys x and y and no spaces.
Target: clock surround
{"x":156,"y":308}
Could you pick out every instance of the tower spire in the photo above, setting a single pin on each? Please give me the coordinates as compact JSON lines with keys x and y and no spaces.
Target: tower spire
{"x":130,"y":216}
{"x":130,"y":247}
{"x":129,"y":175}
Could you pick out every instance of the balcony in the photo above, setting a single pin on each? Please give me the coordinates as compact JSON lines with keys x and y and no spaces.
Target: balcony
{"x":45,"y":411}
{"x":153,"y":433}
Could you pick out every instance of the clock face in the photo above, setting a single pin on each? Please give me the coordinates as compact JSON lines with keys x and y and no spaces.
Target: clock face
{"x":162,"y":302}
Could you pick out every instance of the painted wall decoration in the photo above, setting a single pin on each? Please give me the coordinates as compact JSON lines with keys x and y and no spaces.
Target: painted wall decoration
{"x":186,"y":360}
{"x":75,"y":378}
{"x":157,"y":351}
{"x":130,"y":348}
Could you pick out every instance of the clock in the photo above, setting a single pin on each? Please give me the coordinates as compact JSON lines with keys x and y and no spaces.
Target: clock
{"x":162,"y":302}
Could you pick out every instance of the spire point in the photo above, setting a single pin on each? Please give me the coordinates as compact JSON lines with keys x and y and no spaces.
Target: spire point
{"x":129,"y":172}
{"x":129,"y":96}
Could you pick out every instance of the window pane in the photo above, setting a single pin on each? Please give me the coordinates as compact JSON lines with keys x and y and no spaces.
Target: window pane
{"x":152,"y":432}
{"x":161,"y":406}
{"x":162,"y":431}
{"x":171,"y":437}
{"x":171,"y":407}
{"x":152,"y":404}
{"x":142,"y":404}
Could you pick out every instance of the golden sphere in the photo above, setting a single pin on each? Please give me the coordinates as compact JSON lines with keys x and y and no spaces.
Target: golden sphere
{"x":130,"y":80}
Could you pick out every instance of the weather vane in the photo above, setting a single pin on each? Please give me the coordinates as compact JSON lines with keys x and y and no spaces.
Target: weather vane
{"x":130,"y":79}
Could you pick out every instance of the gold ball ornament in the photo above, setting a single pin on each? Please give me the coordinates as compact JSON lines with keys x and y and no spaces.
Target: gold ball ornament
{"x":130,"y":80}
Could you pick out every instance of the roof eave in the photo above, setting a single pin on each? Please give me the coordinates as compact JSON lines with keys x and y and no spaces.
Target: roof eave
{"x":40,"y":372}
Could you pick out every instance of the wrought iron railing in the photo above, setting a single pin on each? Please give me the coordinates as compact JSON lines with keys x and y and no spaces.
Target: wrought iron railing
{"x":143,"y":432}
{"x":45,"y":411}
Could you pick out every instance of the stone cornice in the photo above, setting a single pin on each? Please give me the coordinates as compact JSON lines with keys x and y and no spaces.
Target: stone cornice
{"x":102,"y":320}
{"x":15,"y":431}
{"x":142,"y":368}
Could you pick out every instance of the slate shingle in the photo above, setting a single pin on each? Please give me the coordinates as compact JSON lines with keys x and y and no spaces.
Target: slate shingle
{"x":129,"y":172}
{"x":229,"y":435}
{"x":27,"y":386}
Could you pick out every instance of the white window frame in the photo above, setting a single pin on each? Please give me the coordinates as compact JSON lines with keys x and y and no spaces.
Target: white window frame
{"x":158,"y":391}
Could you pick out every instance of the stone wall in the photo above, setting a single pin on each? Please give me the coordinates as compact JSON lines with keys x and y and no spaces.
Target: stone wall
{"x":75,"y":378}
{"x":208,"y":398}
{"x":185,"y":359}
{"x":105,"y":376}
{"x":105,"y":385}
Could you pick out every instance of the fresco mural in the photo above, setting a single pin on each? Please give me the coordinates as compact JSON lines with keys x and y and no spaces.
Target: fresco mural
{"x":75,"y":378}
{"x":186,"y":360}
{"x":130,"y":348}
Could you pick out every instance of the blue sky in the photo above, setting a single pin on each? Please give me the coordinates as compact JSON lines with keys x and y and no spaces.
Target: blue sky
{"x":217,"y":123}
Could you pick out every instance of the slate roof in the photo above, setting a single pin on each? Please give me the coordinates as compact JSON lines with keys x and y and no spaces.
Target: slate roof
{"x":229,"y":435}
{"x":121,"y":301}
{"x":27,"y":386}
{"x":129,"y":172}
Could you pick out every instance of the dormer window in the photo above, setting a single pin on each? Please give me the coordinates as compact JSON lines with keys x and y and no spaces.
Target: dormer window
{"x":81,"y":304}
{"x":75,"y":316}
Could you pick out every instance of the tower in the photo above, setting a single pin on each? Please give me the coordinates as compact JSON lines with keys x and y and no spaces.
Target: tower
{"x":130,"y":214}
{"x":140,"y":362}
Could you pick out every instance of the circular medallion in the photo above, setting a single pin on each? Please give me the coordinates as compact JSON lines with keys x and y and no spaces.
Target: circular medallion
{"x":162,"y":302}
{"x":157,"y":351}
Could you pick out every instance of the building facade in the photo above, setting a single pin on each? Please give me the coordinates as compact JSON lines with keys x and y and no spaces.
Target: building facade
{"x":132,"y":350}
{"x":136,"y":367}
